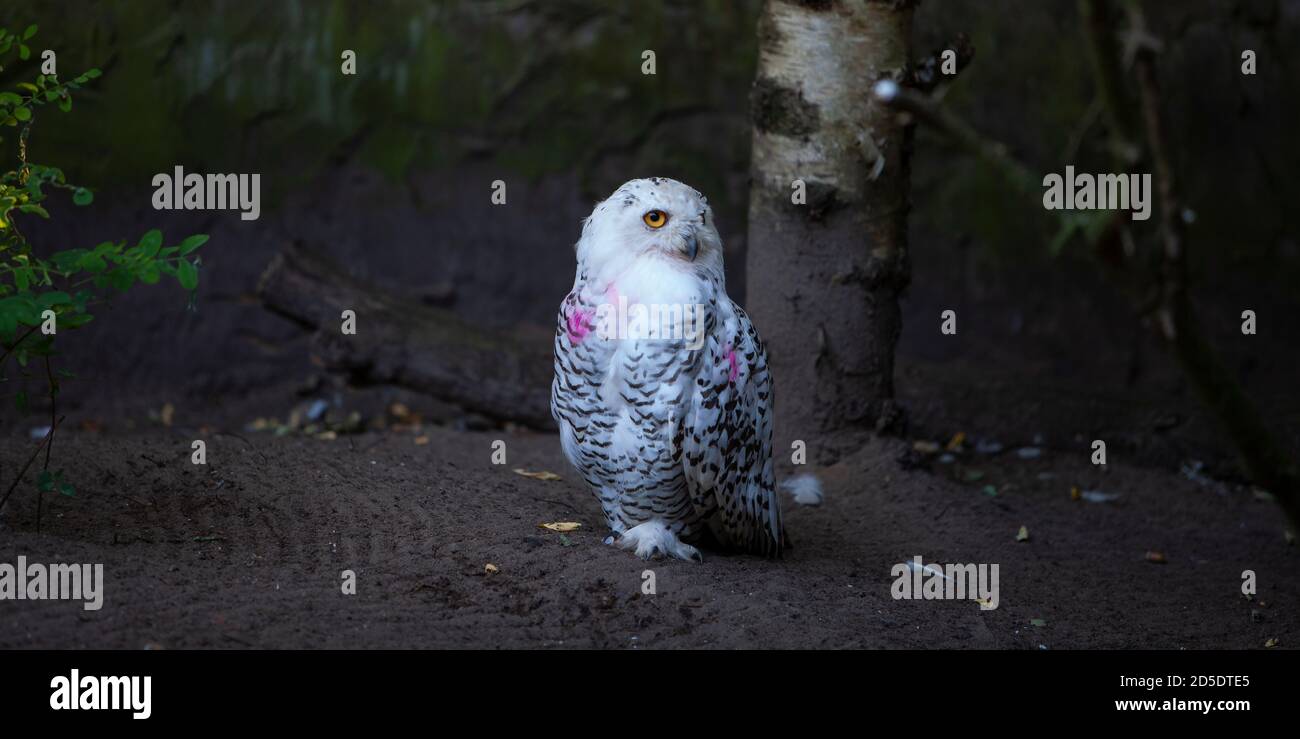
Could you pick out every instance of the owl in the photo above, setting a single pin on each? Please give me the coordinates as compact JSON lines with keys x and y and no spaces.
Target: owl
{"x":662,"y":392}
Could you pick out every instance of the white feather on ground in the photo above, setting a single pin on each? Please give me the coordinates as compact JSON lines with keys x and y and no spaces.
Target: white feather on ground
{"x":806,"y":489}
{"x":931,"y":568}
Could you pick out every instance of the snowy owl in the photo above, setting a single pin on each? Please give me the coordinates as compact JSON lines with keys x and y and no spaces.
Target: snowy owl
{"x":661,"y":390}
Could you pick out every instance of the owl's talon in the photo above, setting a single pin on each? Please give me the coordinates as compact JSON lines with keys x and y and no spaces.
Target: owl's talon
{"x":654,"y":540}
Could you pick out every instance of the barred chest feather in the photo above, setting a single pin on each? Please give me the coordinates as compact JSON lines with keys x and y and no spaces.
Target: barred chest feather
{"x":628,"y":359}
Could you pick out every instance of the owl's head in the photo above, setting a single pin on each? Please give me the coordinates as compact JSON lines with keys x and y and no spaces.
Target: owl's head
{"x":658,"y":219}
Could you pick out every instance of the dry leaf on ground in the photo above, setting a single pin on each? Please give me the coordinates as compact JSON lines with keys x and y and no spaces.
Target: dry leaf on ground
{"x":926,"y":447}
{"x":540,"y":475}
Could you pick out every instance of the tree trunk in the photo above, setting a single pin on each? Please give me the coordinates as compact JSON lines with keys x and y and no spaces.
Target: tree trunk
{"x":824,"y":276}
{"x":503,"y":375}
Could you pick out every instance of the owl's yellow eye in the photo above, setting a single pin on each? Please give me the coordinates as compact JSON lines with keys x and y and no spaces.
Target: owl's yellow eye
{"x":655,"y":218}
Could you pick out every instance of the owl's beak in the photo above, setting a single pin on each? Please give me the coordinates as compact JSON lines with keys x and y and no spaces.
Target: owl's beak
{"x":690,"y":245}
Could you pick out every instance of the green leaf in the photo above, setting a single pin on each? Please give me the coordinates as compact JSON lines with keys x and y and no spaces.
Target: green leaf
{"x":22,"y":309}
{"x":82,"y":196}
{"x":24,"y":53}
{"x":193,"y":242}
{"x":151,"y":242}
{"x":50,"y":299}
{"x":68,"y":260}
{"x":67,"y":489}
{"x":8,"y":325}
{"x":149,"y":273}
{"x":93,"y":263}
{"x":31,"y":31}
{"x":93,"y":73}
{"x":38,"y":210}
{"x":45,"y":481}
{"x":187,"y":274}
{"x":65,"y":103}
{"x":22,"y":113}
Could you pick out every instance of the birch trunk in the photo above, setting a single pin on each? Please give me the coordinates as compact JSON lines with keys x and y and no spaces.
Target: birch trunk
{"x":824,"y":276}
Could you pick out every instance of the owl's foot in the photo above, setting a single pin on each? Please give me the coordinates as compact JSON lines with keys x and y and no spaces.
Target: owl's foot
{"x":654,"y":540}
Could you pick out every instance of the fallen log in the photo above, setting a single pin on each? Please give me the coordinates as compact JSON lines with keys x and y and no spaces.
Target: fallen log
{"x":503,"y":375}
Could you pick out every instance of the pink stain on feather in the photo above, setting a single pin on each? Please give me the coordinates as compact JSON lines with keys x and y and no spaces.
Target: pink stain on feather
{"x":579,"y":325}
{"x":735,"y":368}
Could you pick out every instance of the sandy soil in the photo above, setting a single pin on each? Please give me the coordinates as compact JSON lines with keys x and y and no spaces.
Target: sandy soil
{"x":248,"y":552}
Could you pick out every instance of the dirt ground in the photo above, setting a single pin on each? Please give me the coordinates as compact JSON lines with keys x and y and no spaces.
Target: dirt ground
{"x":248,"y":551}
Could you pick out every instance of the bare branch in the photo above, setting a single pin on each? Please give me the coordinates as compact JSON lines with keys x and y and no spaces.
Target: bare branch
{"x":49,"y":435}
{"x":927,"y":74}
{"x":928,"y":111}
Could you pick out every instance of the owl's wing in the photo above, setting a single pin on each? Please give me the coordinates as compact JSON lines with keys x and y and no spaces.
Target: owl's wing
{"x":728,"y":439}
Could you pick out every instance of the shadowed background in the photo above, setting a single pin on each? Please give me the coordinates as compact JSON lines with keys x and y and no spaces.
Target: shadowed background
{"x":390,"y":171}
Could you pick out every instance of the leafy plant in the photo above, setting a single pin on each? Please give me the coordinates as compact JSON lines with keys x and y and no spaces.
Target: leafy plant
{"x":59,"y":291}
